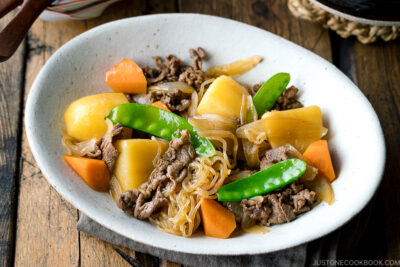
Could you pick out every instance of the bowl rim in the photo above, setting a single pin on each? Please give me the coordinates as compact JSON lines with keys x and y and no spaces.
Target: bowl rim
{"x":35,"y":89}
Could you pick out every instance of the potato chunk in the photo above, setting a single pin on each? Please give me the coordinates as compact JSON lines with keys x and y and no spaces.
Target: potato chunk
{"x":84,"y":118}
{"x":135,"y":161}
{"x":299,"y":127}
{"x":223,"y":97}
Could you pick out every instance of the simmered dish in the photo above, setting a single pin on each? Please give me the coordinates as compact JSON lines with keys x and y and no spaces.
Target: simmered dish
{"x":182,"y":147}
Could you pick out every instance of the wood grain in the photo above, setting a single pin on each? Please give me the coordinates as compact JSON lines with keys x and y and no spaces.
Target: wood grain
{"x":46,"y":234}
{"x":378,"y":74}
{"x":11,"y":85}
{"x":46,"y":223}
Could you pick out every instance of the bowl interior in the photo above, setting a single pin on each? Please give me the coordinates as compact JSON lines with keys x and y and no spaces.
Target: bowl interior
{"x":77,"y":69}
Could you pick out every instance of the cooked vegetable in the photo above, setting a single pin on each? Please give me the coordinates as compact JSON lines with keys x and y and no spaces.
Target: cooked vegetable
{"x":262,"y":182}
{"x":223,"y":97}
{"x":206,"y":122}
{"x":161,"y":105}
{"x":135,"y":161}
{"x":318,"y":154}
{"x":169,"y":86}
{"x":126,"y":77}
{"x":93,"y":171}
{"x":248,"y":114}
{"x":217,"y":221}
{"x":270,"y":91}
{"x":158,"y":122}
{"x":298,"y":127}
{"x":322,"y":188}
{"x":84,"y":118}
{"x":234,"y":68}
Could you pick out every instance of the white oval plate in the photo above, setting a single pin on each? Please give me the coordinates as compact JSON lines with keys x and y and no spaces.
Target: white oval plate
{"x":77,"y":69}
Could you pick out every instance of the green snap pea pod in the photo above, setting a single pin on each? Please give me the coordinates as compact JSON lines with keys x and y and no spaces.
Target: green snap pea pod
{"x":158,"y":122}
{"x":270,"y":91}
{"x":262,"y":182}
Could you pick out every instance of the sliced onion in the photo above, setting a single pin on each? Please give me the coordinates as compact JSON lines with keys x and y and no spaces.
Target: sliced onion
{"x":114,"y":188}
{"x":75,"y":147}
{"x":255,"y":132}
{"x":234,"y":68}
{"x":203,"y":87}
{"x":140,"y":98}
{"x":324,"y":131}
{"x":251,"y":153}
{"x":243,"y":110}
{"x":168,"y":86}
{"x":248,"y":111}
{"x":193,"y":104}
{"x":205,"y":122}
{"x":251,"y":110}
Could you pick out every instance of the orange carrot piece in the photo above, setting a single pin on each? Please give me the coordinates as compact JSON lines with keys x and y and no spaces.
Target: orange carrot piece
{"x":217,"y":221}
{"x":161,"y":105}
{"x":318,"y":154}
{"x":126,"y":77}
{"x":93,"y":171}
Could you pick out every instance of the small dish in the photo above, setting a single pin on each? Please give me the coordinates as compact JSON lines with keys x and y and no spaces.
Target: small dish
{"x":355,"y":135}
{"x":76,"y":11}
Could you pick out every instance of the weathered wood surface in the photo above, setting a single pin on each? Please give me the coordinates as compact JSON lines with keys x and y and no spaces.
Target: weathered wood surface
{"x":378,"y":75}
{"x":46,"y":232}
{"x":11,"y":83}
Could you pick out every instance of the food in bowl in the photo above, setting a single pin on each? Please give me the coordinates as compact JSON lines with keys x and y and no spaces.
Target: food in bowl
{"x":180,"y":146}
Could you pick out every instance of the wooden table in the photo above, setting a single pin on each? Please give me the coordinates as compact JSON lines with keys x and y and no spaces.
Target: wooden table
{"x":38,"y":227}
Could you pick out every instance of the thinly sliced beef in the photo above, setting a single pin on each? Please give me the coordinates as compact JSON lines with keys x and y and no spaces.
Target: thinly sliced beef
{"x":288,"y":100}
{"x":171,"y":69}
{"x":285,"y":152}
{"x":175,"y":100}
{"x":105,"y":148}
{"x":108,"y":150}
{"x":170,"y":170}
{"x":281,"y":205}
{"x":194,"y":76}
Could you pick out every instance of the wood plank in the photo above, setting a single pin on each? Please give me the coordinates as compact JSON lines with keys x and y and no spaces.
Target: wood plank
{"x":11,"y":86}
{"x":95,"y":252}
{"x":46,"y":225}
{"x":45,"y":38}
{"x":378,"y":74}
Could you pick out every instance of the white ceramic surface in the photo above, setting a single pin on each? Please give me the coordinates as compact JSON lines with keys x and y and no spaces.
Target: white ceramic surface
{"x":77,"y":69}
{"x":83,"y":13}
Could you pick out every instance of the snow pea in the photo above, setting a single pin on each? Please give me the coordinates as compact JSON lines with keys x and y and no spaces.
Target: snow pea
{"x":264,"y":181}
{"x":159,"y":122}
{"x":270,"y":91}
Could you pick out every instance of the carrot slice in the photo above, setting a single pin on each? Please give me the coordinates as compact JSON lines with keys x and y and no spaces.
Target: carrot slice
{"x":93,"y":171}
{"x":318,"y":154}
{"x":161,"y":105}
{"x":217,"y":220}
{"x":126,"y":77}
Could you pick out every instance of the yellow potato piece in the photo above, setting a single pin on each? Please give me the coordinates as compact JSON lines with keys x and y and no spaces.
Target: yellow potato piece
{"x":135,"y":161}
{"x":297,"y":127}
{"x":223,"y":97}
{"x":84,"y":118}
